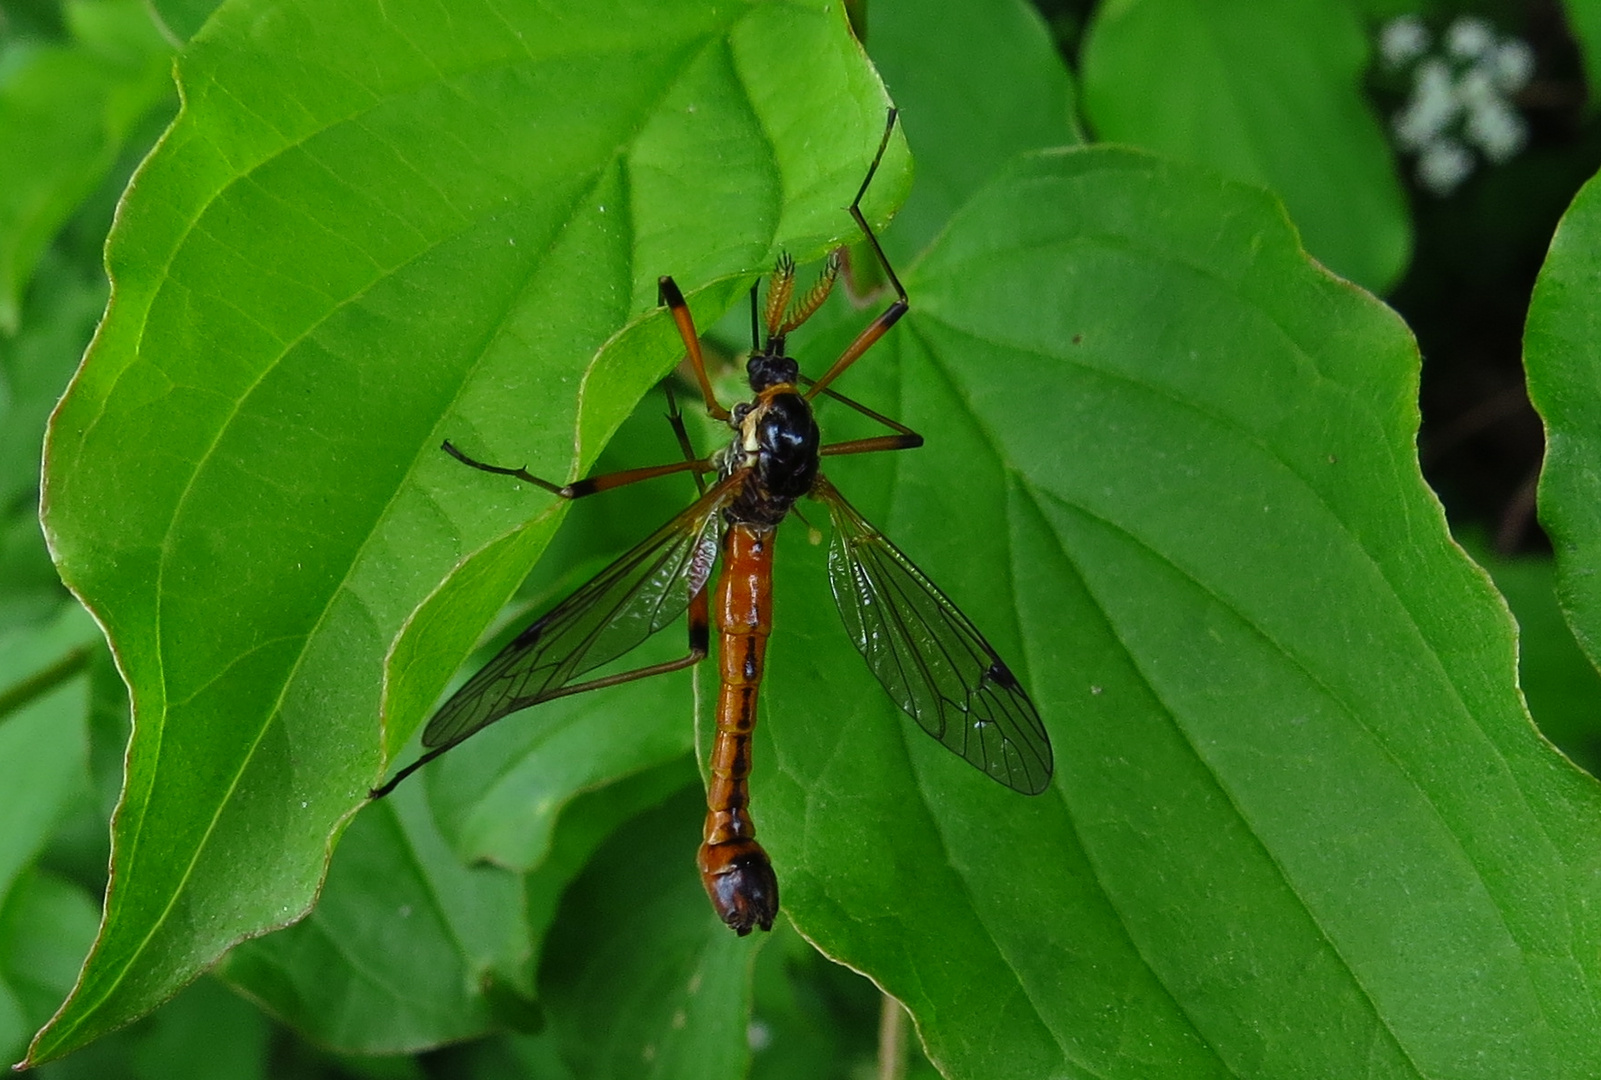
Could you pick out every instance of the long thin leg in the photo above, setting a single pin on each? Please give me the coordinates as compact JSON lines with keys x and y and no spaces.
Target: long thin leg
{"x":699,"y":644}
{"x":903,"y":439}
{"x":667,"y":292}
{"x":856,"y":205}
{"x":676,"y":418}
{"x":580,"y":488}
{"x":909,"y":441}
{"x":879,"y":326}
{"x":699,"y":604}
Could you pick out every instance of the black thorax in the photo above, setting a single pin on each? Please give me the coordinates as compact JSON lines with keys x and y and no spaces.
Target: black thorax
{"x":776,"y":438}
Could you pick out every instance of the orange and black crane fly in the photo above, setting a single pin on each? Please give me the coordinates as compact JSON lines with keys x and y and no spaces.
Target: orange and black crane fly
{"x":929,"y":657}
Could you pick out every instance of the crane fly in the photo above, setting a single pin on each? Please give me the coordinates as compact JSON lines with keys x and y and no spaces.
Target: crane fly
{"x":929,"y":657}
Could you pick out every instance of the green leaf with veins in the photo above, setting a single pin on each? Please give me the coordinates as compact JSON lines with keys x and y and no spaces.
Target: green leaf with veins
{"x":403,"y":941}
{"x":1301,"y":823}
{"x":1563,"y":358}
{"x":325,"y":269}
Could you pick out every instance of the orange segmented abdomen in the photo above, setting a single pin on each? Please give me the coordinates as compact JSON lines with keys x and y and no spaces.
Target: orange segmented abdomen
{"x":733,"y":867}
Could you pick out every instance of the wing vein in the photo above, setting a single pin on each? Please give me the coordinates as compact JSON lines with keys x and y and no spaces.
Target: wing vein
{"x":930,"y":657}
{"x":646,"y":588}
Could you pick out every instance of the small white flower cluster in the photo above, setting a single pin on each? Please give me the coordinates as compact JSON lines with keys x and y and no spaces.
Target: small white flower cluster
{"x":1461,"y":96}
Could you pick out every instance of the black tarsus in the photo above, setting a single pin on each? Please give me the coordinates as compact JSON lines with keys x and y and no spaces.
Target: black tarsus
{"x":891,"y":315}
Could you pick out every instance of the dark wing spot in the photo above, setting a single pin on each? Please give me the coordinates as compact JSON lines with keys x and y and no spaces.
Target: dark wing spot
{"x":1001,"y":676}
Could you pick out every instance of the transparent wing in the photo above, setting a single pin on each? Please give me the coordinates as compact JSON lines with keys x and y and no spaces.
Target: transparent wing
{"x":643,"y":591}
{"x":933,"y":661}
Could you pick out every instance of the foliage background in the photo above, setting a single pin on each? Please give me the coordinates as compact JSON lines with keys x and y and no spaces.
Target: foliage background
{"x":570,"y":949}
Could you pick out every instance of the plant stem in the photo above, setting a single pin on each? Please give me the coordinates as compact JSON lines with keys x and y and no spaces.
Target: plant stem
{"x":891,"y":1039}
{"x":41,"y":683}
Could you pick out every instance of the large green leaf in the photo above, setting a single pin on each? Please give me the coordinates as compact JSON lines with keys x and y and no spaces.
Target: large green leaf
{"x":1562,"y":352}
{"x":330,"y":264}
{"x":1267,"y":93}
{"x":1301,"y":823}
